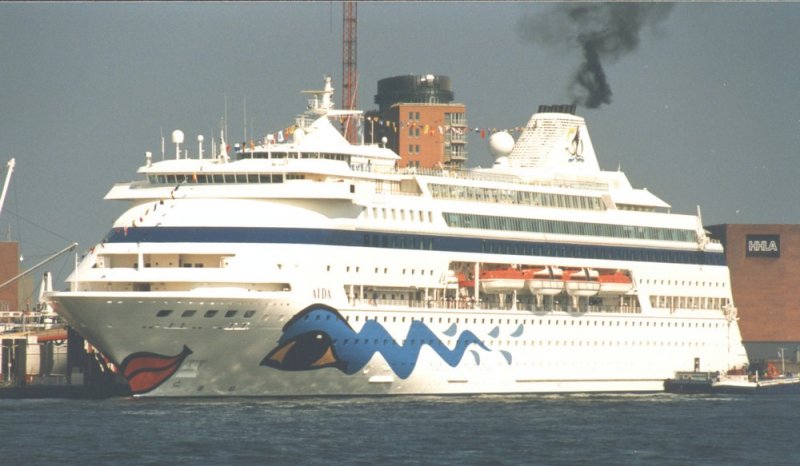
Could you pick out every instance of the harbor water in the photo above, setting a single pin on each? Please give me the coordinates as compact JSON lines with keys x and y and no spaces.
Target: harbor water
{"x":520,"y":429}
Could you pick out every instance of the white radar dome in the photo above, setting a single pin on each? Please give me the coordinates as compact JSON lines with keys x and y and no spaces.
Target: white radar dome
{"x":501,"y":144}
{"x":298,"y":135}
{"x":177,"y":137}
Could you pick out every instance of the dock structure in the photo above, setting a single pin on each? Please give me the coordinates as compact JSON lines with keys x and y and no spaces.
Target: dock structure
{"x":55,"y":363}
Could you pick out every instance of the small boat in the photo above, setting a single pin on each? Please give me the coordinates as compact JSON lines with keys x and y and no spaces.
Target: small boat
{"x":505,"y":280}
{"x":544,"y":282}
{"x":583,"y":282}
{"x":735,"y":381}
{"x":616,"y":283}
{"x":773,"y":382}
{"x":690,"y":382}
{"x":747,"y":385}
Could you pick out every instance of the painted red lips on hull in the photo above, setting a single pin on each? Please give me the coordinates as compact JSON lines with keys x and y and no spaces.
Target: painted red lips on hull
{"x":145,"y":371}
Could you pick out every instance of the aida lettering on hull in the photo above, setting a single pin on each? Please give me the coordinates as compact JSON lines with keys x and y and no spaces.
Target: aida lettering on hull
{"x":763,"y":246}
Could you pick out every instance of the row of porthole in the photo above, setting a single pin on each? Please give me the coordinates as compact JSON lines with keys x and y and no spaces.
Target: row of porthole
{"x":357,"y":269}
{"x":646,"y":281}
{"x":387,"y":342}
{"x":458,"y":320}
{"x":208,"y":314}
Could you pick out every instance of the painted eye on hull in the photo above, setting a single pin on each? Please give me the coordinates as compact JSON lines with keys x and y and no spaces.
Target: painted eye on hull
{"x":311,"y":350}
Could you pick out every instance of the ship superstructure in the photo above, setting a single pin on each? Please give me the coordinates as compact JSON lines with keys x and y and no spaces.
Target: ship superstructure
{"x":314,"y":266}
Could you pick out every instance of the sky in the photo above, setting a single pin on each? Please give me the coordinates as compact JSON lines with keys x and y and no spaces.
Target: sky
{"x":700,"y":105}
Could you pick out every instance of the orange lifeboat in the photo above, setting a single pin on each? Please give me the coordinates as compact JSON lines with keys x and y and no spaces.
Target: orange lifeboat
{"x":616,"y":283}
{"x":547,"y":281}
{"x":582,"y":282}
{"x":464,"y":282}
{"x":504,"y":280}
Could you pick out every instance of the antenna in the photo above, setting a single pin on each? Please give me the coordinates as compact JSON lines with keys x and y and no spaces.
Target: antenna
{"x":223,"y":152}
{"x":200,"y":145}
{"x":225,"y":120}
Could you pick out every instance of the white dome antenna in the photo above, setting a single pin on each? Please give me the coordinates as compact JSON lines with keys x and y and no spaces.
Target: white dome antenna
{"x":177,"y":139}
{"x":500,"y":145}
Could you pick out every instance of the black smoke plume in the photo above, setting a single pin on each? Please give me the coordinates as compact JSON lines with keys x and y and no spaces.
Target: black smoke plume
{"x":603,"y":31}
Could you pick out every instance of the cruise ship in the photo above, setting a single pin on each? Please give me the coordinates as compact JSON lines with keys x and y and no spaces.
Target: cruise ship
{"x":313,"y":266}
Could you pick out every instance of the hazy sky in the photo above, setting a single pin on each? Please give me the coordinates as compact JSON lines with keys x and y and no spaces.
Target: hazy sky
{"x":704,"y":107}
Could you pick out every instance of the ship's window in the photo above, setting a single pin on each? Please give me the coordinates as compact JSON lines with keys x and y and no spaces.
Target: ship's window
{"x":163,"y":313}
{"x":249,"y":314}
{"x":188,"y":313}
{"x":252,"y":178}
{"x":210,"y":313}
{"x":229,"y":314}
{"x":241,"y":178}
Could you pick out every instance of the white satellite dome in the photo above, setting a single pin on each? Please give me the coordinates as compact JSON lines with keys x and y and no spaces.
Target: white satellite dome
{"x":177,"y":137}
{"x":298,"y":135}
{"x":501,"y":144}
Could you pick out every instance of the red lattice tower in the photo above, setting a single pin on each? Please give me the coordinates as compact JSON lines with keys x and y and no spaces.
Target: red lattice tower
{"x":349,"y":69}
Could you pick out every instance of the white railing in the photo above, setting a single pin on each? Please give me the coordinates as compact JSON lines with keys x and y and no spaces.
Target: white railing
{"x":468,"y":305}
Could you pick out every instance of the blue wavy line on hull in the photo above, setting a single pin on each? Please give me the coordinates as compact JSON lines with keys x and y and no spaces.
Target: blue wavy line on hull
{"x":319,"y":336}
{"x":410,"y":241}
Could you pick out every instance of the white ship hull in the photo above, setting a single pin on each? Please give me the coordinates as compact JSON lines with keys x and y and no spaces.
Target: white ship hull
{"x":520,"y":352}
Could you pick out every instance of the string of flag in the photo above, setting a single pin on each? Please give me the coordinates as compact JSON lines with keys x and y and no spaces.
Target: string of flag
{"x":141,"y":218}
{"x":425,"y":130}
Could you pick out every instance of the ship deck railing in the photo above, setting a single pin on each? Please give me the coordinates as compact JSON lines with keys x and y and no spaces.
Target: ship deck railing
{"x":472,"y":305}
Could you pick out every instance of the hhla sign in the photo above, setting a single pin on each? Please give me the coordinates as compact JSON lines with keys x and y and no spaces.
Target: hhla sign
{"x":763,"y":246}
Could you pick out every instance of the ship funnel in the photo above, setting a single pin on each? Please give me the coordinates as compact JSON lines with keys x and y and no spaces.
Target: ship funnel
{"x":557,"y":139}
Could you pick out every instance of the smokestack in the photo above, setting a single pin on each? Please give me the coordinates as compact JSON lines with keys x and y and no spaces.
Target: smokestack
{"x":604,"y":32}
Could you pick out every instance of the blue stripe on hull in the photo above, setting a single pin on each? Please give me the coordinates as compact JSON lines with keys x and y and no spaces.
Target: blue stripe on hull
{"x":405,"y":241}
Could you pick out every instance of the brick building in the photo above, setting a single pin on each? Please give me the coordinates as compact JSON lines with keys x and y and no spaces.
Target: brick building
{"x":420,"y":122}
{"x":764,"y":262}
{"x":9,"y":267}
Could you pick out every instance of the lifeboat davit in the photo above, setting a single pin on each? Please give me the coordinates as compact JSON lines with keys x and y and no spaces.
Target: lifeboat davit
{"x":616,"y":283}
{"x":544,"y":282}
{"x":502,"y":281}
{"x":582,"y":282}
